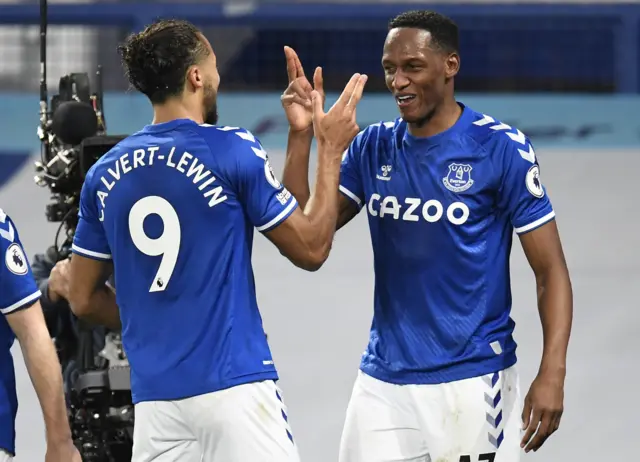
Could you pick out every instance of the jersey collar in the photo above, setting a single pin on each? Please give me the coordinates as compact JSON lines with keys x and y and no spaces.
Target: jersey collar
{"x":461,"y":124}
{"x":166,"y":126}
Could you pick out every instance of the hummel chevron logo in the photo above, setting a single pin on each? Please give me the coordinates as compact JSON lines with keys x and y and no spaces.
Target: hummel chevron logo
{"x":495,"y":433}
{"x":246,"y":136}
{"x":240,"y":132}
{"x":494,"y":421}
{"x":528,"y":155}
{"x":500,"y":126}
{"x":491,"y":380}
{"x":261,"y":153}
{"x":518,"y":137}
{"x":9,"y":234}
{"x":493,"y":401}
{"x":496,"y":441}
{"x":486,"y":120}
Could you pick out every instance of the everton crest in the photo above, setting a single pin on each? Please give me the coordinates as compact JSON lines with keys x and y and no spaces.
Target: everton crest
{"x":458,"y":178}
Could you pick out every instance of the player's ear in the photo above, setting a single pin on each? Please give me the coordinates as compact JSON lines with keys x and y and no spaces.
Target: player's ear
{"x":451,"y":65}
{"x":195,"y":77}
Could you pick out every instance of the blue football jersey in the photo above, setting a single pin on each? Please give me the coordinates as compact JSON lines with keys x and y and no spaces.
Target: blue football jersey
{"x":442,"y":211}
{"x":18,"y":290}
{"x":174,"y":207}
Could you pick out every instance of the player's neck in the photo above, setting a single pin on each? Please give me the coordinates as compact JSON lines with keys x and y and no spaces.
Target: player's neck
{"x":174,"y":110}
{"x":444,"y":117}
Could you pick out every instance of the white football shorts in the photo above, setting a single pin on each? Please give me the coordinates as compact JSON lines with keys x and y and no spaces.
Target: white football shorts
{"x":244,"y":423}
{"x":5,"y":456}
{"x":472,"y":420}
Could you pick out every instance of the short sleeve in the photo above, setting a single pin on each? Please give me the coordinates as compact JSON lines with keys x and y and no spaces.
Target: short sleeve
{"x":266,"y":201}
{"x":350,"y":177}
{"x":90,"y":239}
{"x":18,"y":289}
{"x":522,"y":194}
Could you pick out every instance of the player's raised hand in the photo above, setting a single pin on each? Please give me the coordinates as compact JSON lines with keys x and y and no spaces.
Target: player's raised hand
{"x":338,"y":126}
{"x":296,"y":99}
{"x":542,"y":411}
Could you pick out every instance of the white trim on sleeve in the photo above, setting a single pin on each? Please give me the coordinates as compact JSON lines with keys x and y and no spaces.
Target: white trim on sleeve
{"x":90,"y":253}
{"x":19,"y":304}
{"x":536,"y":224}
{"x":350,"y":195}
{"x":280,"y":216}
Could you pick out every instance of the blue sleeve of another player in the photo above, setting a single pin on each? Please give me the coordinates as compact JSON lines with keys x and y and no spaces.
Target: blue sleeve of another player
{"x":521,"y":193}
{"x":90,"y":240}
{"x":350,"y":176}
{"x":266,"y":201}
{"x":18,"y":289}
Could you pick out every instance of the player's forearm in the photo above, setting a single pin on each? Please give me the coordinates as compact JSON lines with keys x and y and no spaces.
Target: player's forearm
{"x":555,"y":302}
{"x":44,"y":369}
{"x":295,"y":176}
{"x":100,"y":308}
{"x":322,"y":207}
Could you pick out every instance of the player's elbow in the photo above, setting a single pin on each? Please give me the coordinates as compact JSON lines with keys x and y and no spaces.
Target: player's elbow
{"x":318,"y":257}
{"x":310,"y":265}
{"x":80,"y":303}
{"x":81,"y":309}
{"x":312,"y":260}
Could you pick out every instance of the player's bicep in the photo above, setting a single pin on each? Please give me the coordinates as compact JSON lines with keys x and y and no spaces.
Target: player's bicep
{"x":86,"y":275}
{"x":28,"y":322}
{"x":543,"y":249}
{"x":350,"y":174}
{"x":348,"y":209}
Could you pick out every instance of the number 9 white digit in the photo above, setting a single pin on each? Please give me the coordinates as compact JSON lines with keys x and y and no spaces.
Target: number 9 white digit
{"x":167,"y":244}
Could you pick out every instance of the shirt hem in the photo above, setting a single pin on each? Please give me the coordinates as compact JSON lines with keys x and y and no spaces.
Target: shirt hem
{"x":173,"y":395}
{"x":8,"y":448}
{"x":450,"y":374}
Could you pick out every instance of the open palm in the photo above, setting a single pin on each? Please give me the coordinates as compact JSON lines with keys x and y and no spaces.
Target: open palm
{"x":296,"y":100}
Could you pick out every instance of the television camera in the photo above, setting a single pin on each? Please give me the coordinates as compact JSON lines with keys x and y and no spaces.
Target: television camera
{"x":73,"y":136}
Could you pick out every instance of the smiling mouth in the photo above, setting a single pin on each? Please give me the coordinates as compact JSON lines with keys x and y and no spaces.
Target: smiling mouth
{"x":405,"y":100}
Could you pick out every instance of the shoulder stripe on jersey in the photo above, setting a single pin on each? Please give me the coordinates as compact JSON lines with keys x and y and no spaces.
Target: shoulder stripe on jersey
{"x":90,"y":253}
{"x":247,"y":136}
{"x":350,"y":195}
{"x":280,"y":216}
{"x":19,"y":304}
{"x":242,"y":133}
{"x":385,"y":124}
{"x":8,"y":234}
{"x":526,"y":153}
{"x":536,"y":224}
{"x":261,"y":153}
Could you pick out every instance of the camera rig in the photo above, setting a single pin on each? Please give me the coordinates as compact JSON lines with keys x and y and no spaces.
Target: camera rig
{"x":72,"y":133}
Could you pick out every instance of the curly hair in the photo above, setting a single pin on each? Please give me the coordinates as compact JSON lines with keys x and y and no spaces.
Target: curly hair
{"x":444,"y":32}
{"x":156,"y":60}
